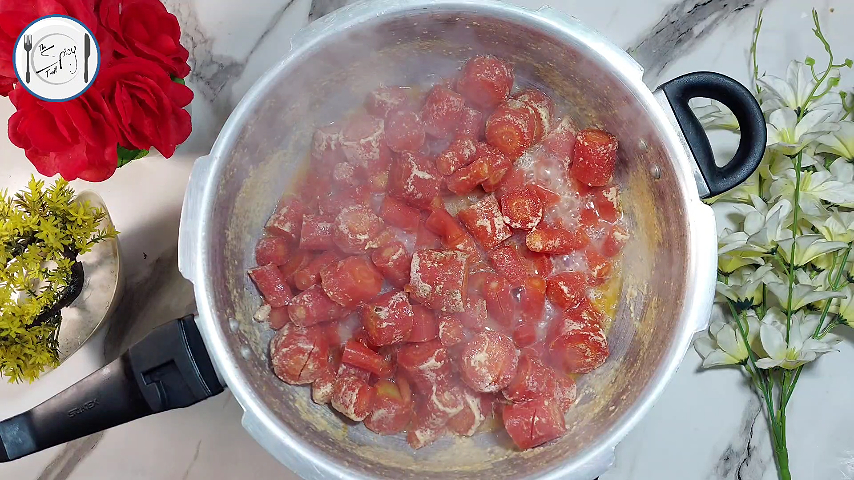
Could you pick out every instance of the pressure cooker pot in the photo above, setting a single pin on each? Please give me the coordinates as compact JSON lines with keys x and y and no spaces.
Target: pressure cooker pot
{"x":665,"y":167}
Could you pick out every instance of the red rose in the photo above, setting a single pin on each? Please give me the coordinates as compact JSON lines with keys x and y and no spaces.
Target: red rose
{"x":143,"y":28}
{"x":15,"y":15}
{"x":76,"y":139}
{"x":147,"y":104}
{"x":6,"y":85}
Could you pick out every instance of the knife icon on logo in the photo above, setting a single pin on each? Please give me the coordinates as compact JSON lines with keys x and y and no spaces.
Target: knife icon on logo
{"x":86,"y":52}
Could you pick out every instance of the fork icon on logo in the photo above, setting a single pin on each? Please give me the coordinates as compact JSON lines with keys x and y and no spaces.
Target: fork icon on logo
{"x":28,"y":46}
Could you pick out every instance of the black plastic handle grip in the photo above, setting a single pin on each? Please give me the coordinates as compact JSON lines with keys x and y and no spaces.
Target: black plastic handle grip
{"x":168,"y":369}
{"x":751,"y":123}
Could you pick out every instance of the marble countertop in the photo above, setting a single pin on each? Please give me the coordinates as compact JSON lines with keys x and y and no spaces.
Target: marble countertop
{"x":706,"y":425}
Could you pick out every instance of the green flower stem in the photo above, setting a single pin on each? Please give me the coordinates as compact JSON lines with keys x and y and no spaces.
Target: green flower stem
{"x":781,"y":450}
{"x":759,"y":377}
{"x":753,"y":45}
{"x":818,"y":33}
{"x":819,"y":331}
{"x":827,"y":329}
{"x":834,"y":286}
{"x":795,"y":211}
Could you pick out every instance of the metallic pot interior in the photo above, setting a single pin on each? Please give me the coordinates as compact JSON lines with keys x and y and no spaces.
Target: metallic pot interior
{"x":261,"y":156}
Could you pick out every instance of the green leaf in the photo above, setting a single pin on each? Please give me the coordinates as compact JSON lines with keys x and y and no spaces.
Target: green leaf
{"x":178,"y":80}
{"x":126,"y":156}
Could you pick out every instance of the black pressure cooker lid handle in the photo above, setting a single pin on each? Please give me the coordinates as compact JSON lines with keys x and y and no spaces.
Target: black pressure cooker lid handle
{"x":168,"y":369}
{"x":751,"y":123}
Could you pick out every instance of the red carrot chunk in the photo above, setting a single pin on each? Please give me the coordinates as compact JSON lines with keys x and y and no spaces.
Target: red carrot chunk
{"x":567,"y":289}
{"x":556,"y":241}
{"x":464,"y":180}
{"x":485,"y":222}
{"x":388,"y":319}
{"x":385,"y":100}
{"x":353,"y":397}
{"x":594,"y":157}
{"x":600,"y":267}
{"x":451,"y":234}
{"x":313,"y":306}
{"x":438,"y":280}
{"x":533,"y":380}
{"x":606,"y":201}
{"x":298,"y":355}
{"x":561,"y":141}
{"x":392,"y":409}
{"x":485,"y":81}
{"x":287,"y":219}
{"x":316,"y":233}
{"x":278,"y":318}
{"x":499,"y":166}
{"x":299,"y":260}
{"x":525,"y":334}
{"x":360,"y":356}
{"x":539,"y":264}
{"x":442,"y":111}
{"x":471,"y":124}
{"x":488,"y":362}
{"x":532,"y":301}
{"x":425,"y":326}
{"x":323,"y":387}
{"x":543,"y":105}
{"x":533,"y":423}
{"x":522,"y":209}
{"x":272,"y":285}
{"x":499,"y":299}
{"x":393,"y":262}
{"x":326,"y":146}
{"x":614,"y":242}
{"x":310,"y":275}
{"x":355,"y":227}
{"x":477,"y":407}
{"x":351,"y":281}
{"x":508,"y":263}
{"x":576,"y":341}
{"x":272,"y":251}
{"x":330,"y":205}
{"x":423,"y":431}
{"x":459,"y":153}
{"x":425,"y":364}
{"x":511,"y":128}
{"x":414,"y":180}
{"x":451,"y":330}
{"x":398,"y":214}
{"x":404,"y":131}
{"x":475,"y":316}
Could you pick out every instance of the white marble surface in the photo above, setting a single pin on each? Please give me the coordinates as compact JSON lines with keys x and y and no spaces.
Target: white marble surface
{"x":706,"y":425}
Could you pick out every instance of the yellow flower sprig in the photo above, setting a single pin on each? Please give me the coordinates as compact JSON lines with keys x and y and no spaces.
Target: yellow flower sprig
{"x":41,"y":233}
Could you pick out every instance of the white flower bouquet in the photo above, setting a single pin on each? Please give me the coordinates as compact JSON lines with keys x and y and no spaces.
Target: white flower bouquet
{"x":785,"y":268}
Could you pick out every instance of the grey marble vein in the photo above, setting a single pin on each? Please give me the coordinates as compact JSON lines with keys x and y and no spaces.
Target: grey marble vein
{"x":748,"y":456}
{"x":683,"y":26}
{"x":210,"y":73}
{"x":320,"y":8}
{"x":63,"y":465}
{"x":193,"y":461}
{"x":213,"y":74}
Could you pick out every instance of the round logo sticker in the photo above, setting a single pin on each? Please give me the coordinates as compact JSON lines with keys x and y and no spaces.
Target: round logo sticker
{"x":56,"y":58}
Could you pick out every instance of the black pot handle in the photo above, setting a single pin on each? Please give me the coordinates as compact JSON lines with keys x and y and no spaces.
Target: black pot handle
{"x":751,"y":123}
{"x":168,"y":369}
